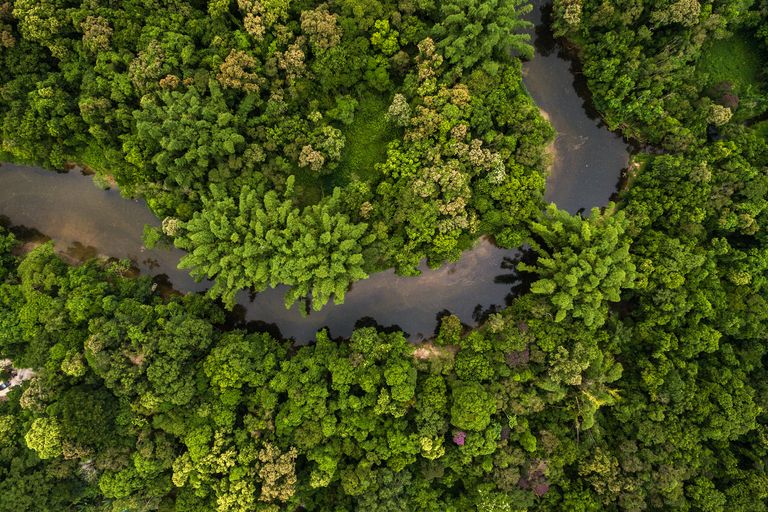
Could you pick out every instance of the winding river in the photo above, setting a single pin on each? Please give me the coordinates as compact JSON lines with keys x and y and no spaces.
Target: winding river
{"x":86,"y":221}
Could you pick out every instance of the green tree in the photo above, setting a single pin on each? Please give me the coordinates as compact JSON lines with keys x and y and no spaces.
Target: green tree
{"x":186,"y":137}
{"x":473,"y":31}
{"x":45,"y":437}
{"x":260,"y":239}
{"x":587,"y":264}
{"x":472,"y":406}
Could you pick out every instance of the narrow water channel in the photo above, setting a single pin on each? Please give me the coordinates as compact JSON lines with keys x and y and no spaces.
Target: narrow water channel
{"x":588,"y":159}
{"x":86,"y":221}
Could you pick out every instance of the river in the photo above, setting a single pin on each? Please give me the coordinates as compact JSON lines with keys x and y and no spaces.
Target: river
{"x":86,"y":221}
{"x":588,"y":159}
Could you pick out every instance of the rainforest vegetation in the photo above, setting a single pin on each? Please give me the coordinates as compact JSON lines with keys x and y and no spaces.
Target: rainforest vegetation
{"x":664,"y":72}
{"x":311,"y":144}
{"x":629,"y":378}
{"x":299,"y":143}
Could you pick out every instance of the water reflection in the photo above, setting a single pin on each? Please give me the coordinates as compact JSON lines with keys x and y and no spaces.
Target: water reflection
{"x":23,"y":234}
{"x":89,"y":222}
{"x":587,"y":159}
{"x":85,"y":221}
{"x":587,"y":169}
{"x":409,"y":303}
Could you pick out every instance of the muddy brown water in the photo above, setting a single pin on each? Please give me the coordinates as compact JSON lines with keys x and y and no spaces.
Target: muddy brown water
{"x":85,"y":222}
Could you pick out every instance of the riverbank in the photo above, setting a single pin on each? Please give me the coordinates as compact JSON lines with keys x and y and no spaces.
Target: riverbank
{"x":587,"y":159}
{"x":586,"y":165}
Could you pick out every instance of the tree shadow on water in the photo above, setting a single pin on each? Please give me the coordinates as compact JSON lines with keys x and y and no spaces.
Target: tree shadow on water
{"x":480,"y":315}
{"x":235,"y":319}
{"x":519,"y":281}
{"x":262,"y":327}
{"x":368,"y":321}
{"x":164,"y":286}
{"x":544,"y":41}
{"x":81,"y":253}
{"x":23,"y":233}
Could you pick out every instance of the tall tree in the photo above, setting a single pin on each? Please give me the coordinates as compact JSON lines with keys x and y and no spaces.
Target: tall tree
{"x":586,"y":262}
{"x":256,"y":240}
{"x":480,"y":31}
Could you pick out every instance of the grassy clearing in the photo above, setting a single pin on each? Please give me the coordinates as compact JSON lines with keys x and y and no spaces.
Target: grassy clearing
{"x":367,"y":140}
{"x":308,"y":187}
{"x":737,"y":60}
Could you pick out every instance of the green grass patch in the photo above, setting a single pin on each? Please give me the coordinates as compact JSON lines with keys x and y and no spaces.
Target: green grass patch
{"x":367,"y":138}
{"x":734,"y":68}
{"x":308,"y":187}
{"x":737,"y":60}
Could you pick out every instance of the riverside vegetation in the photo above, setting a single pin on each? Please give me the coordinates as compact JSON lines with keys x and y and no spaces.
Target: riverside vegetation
{"x":557,"y":402}
{"x":630,"y":377}
{"x":303,"y":143}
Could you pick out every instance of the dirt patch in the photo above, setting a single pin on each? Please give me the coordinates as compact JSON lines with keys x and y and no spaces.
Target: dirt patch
{"x":22,"y":375}
{"x":629,"y":174}
{"x":137,"y":359}
{"x":550,"y":149}
{"x":428,"y":351}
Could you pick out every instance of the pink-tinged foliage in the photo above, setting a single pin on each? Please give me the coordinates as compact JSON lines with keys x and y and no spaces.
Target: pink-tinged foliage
{"x":459,"y":438}
{"x":517,"y":358}
{"x":728,"y":95}
{"x":535,"y":478}
{"x":730,"y":100}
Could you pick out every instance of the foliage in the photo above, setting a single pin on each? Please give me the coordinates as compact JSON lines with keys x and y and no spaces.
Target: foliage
{"x":170,"y":411}
{"x":653,"y":68}
{"x":473,"y":31}
{"x":655,"y":404}
{"x":259,"y":240}
{"x":588,"y":264}
{"x":167,"y":102}
{"x":232,"y":122}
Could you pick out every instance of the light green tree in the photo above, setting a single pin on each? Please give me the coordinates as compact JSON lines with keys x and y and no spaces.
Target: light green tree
{"x":259,"y":239}
{"x":586,"y":263}
{"x":45,"y":438}
{"x":473,"y":31}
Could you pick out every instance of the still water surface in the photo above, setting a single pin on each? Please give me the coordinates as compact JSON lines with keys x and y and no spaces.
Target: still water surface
{"x":588,"y":159}
{"x":85,"y":221}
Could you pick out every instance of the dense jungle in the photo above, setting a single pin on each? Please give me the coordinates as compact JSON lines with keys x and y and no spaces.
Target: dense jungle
{"x":310,"y":145}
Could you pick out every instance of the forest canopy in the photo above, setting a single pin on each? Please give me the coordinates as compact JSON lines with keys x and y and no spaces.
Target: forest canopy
{"x":670,"y":73}
{"x":311,"y":144}
{"x":405,"y":123}
{"x":629,"y":378}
